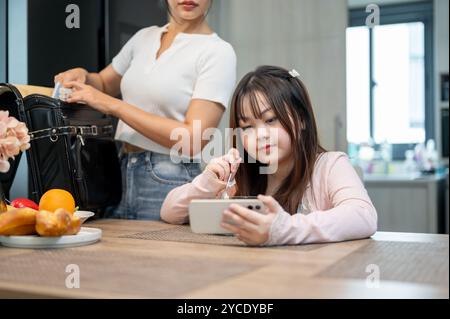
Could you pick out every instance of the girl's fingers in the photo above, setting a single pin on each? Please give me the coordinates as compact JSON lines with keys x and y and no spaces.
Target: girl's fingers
{"x":238,"y":221}
{"x":234,"y":229}
{"x":229,"y":227}
{"x":246,"y":239}
{"x":218,"y":169}
{"x":246,"y":214}
{"x":231,"y":158}
{"x":234,"y":153}
{"x":226,"y":169}
{"x":236,"y":165}
{"x":232,"y":162}
{"x":224,"y":166}
{"x":228,"y":158}
{"x":270,"y":203}
{"x":240,"y":234}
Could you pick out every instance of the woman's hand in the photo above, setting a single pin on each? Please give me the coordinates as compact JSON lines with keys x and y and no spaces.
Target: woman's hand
{"x":77,"y":75}
{"x":225,"y":165}
{"x":249,"y":226}
{"x":86,"y":94}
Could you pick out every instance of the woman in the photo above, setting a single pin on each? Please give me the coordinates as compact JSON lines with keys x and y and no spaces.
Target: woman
{"x":169,"y":78}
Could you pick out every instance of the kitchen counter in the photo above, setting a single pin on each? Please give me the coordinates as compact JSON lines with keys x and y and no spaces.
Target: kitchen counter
{"x":412,"y":177}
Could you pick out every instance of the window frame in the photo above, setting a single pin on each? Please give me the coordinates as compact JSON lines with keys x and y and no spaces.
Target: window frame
{"x":395,"y":14}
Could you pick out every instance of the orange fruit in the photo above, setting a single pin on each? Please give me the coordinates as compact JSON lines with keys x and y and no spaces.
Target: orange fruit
{"x":57,"y":198}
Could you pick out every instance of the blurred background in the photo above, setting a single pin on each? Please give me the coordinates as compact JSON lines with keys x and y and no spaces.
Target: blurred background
{"x":380,"y":90}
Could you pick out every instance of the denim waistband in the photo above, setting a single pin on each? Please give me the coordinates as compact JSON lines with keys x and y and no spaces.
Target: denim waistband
{"x":157,"y":157}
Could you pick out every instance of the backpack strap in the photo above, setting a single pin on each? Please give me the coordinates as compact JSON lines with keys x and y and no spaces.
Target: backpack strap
{"x":82,"y":131}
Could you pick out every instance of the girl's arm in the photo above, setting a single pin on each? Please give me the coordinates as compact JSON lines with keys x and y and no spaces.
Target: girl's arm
{"x":208,"y":185}
{"x":175,"y":209}
{"x":352,"y":217}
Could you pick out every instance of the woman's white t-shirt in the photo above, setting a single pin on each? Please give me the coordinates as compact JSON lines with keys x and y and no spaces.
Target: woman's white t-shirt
{"x":195,"y":66}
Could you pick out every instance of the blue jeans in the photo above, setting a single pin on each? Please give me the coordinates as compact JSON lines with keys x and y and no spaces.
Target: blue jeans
{"x":147,"y":178}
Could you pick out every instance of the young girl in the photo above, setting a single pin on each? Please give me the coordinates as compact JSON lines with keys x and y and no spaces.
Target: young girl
{"x":313,"y":196}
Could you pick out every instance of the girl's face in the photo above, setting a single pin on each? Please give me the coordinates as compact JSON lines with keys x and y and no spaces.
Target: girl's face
{"x":264,"y":139}
{"x":188,"y":10}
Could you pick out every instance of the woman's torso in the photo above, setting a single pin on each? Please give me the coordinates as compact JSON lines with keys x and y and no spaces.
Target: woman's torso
{"x":163,"y":86}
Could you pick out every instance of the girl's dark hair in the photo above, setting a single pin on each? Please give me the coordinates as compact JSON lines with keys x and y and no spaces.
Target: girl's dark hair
{"x":167,"y":7}
{"x":289,"y":99}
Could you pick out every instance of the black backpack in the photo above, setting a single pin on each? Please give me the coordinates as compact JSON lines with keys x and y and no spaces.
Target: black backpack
{"x":72,"y":148}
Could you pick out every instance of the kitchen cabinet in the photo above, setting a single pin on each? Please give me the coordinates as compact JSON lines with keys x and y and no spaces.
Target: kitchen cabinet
{"x":409,"y":203}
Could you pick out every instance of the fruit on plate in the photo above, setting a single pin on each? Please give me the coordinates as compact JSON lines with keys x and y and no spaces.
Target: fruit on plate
{"x":8,"y":208}
{"x":55,"y":199}
{"x":19,"y":221}
{"x":3,"y":206}
{"x":74,"y":226}
{"x":24,"y":202}
{"x":58,"y":223}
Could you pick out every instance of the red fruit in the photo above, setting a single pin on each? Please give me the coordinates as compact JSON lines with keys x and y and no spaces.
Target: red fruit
{"x":24,"y":202}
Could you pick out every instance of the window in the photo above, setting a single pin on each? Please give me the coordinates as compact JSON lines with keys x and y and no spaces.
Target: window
{"x":389,"y":77}
{"x":3,"y":41}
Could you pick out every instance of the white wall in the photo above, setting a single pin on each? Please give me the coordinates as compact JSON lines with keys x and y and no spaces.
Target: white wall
{"x":308,"y":35}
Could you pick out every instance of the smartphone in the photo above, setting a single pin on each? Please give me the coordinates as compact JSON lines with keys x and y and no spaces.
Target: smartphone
{"x":205,"y":215}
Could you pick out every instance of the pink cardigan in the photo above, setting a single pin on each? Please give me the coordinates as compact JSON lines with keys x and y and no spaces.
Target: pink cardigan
{"x":342,"y":209}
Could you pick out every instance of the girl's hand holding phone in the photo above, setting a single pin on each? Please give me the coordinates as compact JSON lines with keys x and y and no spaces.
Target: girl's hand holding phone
{"x":249,"y":226}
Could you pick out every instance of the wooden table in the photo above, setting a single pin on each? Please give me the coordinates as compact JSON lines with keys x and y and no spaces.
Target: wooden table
{"x":139,"y":259}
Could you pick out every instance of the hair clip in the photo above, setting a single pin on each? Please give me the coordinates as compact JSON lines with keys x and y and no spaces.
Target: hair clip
{"x":294,"y":73}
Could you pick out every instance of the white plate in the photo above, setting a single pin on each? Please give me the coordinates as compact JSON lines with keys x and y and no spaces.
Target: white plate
{"x":86,"y":236}
{"x":83,"y":215}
